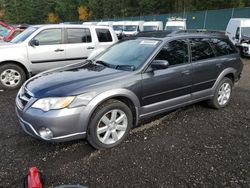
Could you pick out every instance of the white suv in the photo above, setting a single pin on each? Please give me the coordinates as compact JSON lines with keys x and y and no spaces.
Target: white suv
{"x":43,"y":47}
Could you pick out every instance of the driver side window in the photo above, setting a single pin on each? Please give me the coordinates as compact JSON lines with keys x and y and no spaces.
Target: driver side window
{"x":175,"y":52}
{"x":49,"y":37}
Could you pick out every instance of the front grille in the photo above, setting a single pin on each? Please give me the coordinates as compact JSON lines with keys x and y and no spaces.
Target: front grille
{"x":23,"y":97}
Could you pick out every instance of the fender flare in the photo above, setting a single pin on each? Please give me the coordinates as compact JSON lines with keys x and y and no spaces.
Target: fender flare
{"x":222,"y":75}
{"x":99,"y":99}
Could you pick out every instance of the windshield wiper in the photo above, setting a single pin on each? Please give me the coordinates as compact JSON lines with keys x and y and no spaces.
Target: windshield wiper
{"x":89,"y":61}
{"x":106,"y":64}
{"x":126,"y":67}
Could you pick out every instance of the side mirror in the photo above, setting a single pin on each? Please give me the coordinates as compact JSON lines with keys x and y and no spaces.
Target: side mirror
{"x":237,"y":36}
{"x":159,"y":64}
{"x":34,"y":42}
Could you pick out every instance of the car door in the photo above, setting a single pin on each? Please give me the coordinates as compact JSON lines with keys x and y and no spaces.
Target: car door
{"x":168,"y":87}
{"x":79,"y":44}
{"x":206,"y":66}
{"x":48,"y":50}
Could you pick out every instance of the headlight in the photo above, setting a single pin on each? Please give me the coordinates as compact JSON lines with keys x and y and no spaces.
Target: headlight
{"x":47,"y":104}
{"x":83,"y":99}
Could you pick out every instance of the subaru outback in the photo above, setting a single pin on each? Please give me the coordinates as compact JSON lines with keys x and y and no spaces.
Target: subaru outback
{"x":102,"y":98}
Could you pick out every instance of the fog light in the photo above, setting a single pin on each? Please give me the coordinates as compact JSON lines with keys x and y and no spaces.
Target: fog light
{"x":46,"y":133}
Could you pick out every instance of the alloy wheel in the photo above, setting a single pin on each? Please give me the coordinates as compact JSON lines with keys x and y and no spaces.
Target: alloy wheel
{"x":10,"y":77}
{"x":224,"y":94}
{"x":112,"y":126}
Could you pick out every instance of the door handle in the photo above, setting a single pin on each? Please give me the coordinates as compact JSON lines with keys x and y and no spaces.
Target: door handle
{"x":185,"y":73}
{"x":59,"y":50}
{"x":90,"y":48}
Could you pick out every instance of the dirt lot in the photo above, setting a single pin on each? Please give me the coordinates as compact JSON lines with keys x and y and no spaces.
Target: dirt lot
{"x":192,"y":147}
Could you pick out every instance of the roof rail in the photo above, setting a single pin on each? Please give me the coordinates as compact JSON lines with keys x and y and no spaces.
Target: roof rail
{"x":201,"y":31}
{"x":166,"y":33}
{"x":154,"y":33}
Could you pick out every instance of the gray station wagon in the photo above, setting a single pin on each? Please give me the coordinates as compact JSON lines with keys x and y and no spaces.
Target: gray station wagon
{"x":104,"y":97}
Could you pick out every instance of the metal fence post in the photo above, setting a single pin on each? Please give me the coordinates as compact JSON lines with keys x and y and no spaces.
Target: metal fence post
{"x":232,"y":13}
{"x":205,"y":19}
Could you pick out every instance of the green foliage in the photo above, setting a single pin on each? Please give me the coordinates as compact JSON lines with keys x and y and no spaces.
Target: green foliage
{"x":36,"y":11}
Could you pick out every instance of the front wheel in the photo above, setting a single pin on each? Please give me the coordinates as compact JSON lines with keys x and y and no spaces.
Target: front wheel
{"x":110,"y":124}
{"x":11,"y":76}
{"x":223,"y":94}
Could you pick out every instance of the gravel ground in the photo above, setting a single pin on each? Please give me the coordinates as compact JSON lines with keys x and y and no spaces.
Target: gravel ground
{"x":195,"y":146}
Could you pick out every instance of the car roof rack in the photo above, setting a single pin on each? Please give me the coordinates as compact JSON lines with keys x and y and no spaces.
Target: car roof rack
{"x":205,"y":31}
{"x":157,"y":34}
{"x":165,"y":33}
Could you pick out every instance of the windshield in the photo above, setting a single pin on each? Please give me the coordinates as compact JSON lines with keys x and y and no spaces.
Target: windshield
{"x":118,"y":27}
{"x":130,"y":28}
{"x":245,"y":31}
{"x":128,"y":54}
{"x":150,"y":28}
{"x":4,"y":31}
{"x":174,"y":28}
{"x":24,"y":35}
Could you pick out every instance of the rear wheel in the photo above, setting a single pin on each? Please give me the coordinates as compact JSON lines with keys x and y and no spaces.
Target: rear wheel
{"x":109,"y":125}
{"x":11,"y":76}
{"x":222,"y":94}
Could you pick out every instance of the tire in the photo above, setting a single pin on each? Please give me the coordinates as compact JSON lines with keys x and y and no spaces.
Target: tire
{"x":11,"y":76}
{"x":222,"y":95}
{"x":103,"y":132}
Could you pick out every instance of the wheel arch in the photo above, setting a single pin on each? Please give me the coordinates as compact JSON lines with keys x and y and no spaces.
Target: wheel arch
{"x":27,"y":72}
{"x":123,"y":95}
{"x":229,"y":73}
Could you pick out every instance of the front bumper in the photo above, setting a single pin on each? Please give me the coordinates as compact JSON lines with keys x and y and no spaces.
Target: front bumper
{"x":65,"y":124}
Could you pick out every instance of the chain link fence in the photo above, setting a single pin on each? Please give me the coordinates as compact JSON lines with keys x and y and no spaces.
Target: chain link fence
{"x":210,"y":19}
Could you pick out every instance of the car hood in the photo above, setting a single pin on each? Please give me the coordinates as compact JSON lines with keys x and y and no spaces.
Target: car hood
{"x":71,"y":80}
{"x":6,"y":45}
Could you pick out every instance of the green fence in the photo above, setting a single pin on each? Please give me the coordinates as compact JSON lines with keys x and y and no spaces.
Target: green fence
{"x":211,"y":19}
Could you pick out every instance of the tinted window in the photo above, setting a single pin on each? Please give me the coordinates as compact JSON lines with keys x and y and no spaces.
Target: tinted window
{"x":78,"y":36}
{"x":222,"y":47}
{"x":201,"y":49}
{"x":175,"y":52}
{"x":104,"y":35}
{"x":49,"y":37}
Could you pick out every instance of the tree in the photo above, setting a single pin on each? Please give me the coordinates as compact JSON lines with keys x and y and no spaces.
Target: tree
{"x":84,"y":13}
{"x":36,"y":11}
{"x":52,"y":17}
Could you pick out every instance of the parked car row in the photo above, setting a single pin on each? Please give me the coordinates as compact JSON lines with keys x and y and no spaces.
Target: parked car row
{"x":238,"y":31}
{"x":44,"y":47}
{"x":101,"y":98}
{"x":129,"y":28}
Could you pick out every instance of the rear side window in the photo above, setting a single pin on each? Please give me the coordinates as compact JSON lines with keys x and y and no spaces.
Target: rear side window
{"x":222,"y":47}
{"x":175,"y":52}
{"x":75,"y":35}
{"x":104,"y":35}
{"x":201,"y":49}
